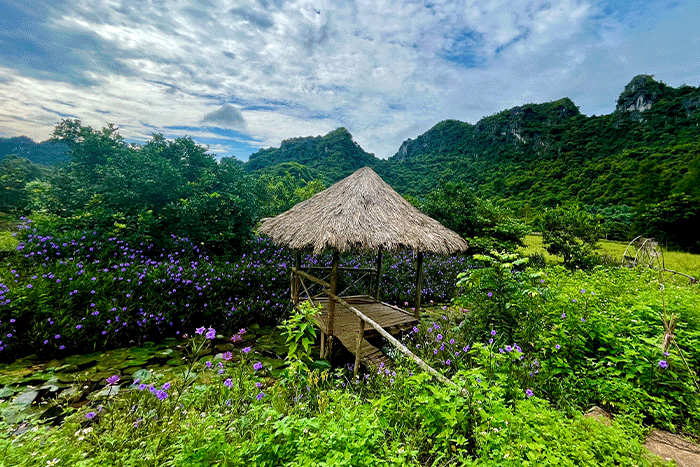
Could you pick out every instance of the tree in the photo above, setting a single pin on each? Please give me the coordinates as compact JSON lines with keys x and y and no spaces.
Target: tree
{"x":487,"y":224}
{"x":571,"y":233}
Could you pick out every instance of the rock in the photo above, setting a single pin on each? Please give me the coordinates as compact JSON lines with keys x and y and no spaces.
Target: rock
{"x":673,"y":447}
{"x":600,"y":414}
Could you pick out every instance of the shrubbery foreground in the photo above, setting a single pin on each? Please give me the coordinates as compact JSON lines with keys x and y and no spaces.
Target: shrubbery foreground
{"x":532,"y":348}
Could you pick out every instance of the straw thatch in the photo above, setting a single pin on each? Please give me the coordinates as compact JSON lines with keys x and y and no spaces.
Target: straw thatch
{"x":360,"y":212}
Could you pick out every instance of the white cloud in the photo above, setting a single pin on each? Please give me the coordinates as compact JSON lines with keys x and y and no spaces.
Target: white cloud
{"x":386,"y":70}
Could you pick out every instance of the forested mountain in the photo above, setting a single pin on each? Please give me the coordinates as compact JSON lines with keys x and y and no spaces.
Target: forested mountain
{"x":535,"y":154}
{"x":333,"y":156}
{"x":545,"y":154}
{"x":641,"y":163}
{"x":47,"y":153}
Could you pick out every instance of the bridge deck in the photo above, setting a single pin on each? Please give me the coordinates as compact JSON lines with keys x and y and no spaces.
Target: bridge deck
{"x":346,"y":325}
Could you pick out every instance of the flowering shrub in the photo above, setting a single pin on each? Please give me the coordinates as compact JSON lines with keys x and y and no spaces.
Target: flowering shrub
{"x":68,"y":293}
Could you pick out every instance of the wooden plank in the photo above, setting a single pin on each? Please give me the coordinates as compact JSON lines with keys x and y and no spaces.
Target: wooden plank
{"x":398,"y":345}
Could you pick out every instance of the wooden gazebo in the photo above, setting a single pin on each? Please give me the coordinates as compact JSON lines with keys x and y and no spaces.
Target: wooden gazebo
{"x":360,"y":213}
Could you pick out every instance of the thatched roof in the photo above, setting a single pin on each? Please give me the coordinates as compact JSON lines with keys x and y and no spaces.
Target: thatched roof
{"x":361,"y":212}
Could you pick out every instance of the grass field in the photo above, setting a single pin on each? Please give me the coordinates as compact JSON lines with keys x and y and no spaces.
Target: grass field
{"x":686,"y":263}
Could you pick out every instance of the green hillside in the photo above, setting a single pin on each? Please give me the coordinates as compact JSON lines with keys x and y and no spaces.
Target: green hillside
{"x":545,"y":154}
{"x":46,"y":153}
{"x":334,"y":155}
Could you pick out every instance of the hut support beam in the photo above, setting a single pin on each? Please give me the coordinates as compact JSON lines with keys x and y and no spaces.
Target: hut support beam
{"x":358,"y":350}
{"x":331,"y":302}
{"x":378,"y":273}
{"x":419,"y":282}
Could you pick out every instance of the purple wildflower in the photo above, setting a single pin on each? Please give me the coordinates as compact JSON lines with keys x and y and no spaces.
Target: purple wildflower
{"x":257,"y":366}
{"x":228,"y":383}
{"x":113,"y":379}
{"x":90,"y":415}
{"x":663,"y":364}
{"x":529,"y":393}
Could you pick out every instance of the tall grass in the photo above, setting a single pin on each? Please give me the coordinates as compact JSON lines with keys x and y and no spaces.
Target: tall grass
{"x":686,"y":263}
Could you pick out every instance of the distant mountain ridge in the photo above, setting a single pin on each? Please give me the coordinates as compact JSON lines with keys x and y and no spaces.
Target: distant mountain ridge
{"x":45,"y":153}
{"x":535,"y":154}
{"x":334,"y":155}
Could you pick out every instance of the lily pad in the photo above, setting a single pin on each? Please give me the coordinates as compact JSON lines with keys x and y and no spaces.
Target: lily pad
{"x":7,"y":392}
{"x":104,"y":393}
{"x":26,"y":398}
{"x":142,"y":375}
{"x":51,"y":413}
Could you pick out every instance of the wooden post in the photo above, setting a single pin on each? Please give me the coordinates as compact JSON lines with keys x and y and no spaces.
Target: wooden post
{"x":296,"y":280}
{"x":331,"y":302}
{"x":358,"y":350}
{"x":419,"y":282}
{"x":379,"y":274}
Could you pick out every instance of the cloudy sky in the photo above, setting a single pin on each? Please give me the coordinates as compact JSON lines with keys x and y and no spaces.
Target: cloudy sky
{"x":241,"y":75}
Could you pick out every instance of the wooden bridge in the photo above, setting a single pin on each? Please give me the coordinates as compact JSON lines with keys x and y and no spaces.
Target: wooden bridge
{"x":345,"y":318}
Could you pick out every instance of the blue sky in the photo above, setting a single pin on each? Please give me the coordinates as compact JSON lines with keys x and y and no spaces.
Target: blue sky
{"x":243,"y":75}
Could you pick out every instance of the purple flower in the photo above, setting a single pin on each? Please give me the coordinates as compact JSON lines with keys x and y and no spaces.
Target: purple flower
{"x":79,"y":326}
{"x":90,"y":415}
{"x":663,"y":364}
{"x":563,"y":315}
{"x":166,"y":386}
{"x":113,"y":379}
{"x":257,"y":366}
{"x":200,"y":330}
{"x":246,"y":350}
{"x":57,"y":336}
{"x":260,"y":396}
{"x":211,"y":334}
{"x":227,"y":356}
{"x":583,"y":320}
{"x":529,"y":393}
{"x":493,"y":332}
{"x":228,"y":383}
{"x":557,"y":346}
{"x":438,"y":337}
{"x":208,"y":364}
{"x":161,"y":395}
{"x":258,"y":385}
{"x":490,"y":294}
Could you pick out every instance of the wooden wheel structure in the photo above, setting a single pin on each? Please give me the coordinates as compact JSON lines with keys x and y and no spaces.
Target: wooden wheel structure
{"x":643,"y":252}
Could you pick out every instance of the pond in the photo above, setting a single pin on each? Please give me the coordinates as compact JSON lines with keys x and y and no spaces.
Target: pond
{"x":33,"y":390}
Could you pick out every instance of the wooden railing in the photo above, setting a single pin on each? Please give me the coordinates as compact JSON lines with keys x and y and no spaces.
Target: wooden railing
{"x":297,"y":283}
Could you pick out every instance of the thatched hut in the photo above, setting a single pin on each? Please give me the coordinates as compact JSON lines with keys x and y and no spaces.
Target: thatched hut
{"x":359,"y":213}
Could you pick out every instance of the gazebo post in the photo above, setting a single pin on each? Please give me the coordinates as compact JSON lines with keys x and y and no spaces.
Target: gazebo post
{"x":419,"y":282}
{"x":378,"y":267}
{"x":331,"y":302}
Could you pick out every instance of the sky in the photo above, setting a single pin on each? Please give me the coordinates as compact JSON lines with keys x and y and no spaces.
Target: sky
{"x":243,"y":75}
